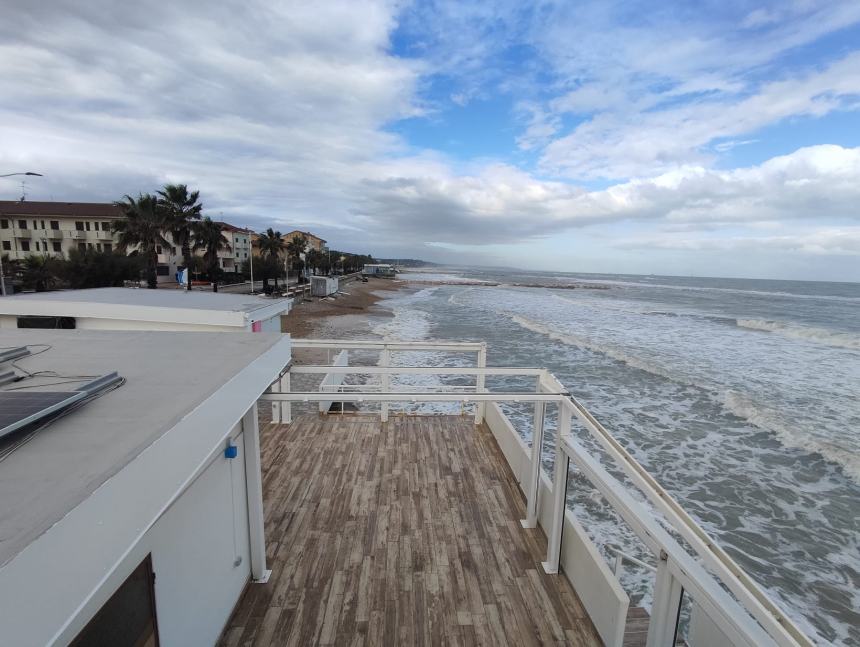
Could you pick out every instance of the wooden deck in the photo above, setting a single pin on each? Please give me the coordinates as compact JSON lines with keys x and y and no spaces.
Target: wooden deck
{"x":406,"y":533}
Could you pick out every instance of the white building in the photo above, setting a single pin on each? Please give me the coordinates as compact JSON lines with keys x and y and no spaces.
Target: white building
{"x":141,"y":309}
{"x":55,"y":228}
{"x":239,"y":240}
{"x":135,"y":517}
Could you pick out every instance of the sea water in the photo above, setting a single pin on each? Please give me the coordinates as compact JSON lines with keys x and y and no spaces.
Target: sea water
{"x":741,"y":396}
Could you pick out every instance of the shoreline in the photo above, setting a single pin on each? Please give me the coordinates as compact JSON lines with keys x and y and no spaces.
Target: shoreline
{"x":319,"y":318}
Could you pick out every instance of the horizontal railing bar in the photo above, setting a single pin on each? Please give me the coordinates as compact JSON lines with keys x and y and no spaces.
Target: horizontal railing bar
{"x":400,"y":396}
{"x":702,"y":587}
{"x":380,"y":345}
{"x":738,"y":581}
{"x":416,"y":370}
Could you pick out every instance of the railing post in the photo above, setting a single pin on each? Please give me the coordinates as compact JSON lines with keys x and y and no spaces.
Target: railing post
{"x":480,"y":385}
{"x":534,"y":476}
{"x":385,"y":360}
{"x":281,"y":411}
{"x":559,"y":492}
{"x":665,"y":608}
{"x":254,"y":493}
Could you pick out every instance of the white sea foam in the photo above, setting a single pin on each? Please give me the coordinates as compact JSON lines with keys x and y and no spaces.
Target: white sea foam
{"x":805,"y":333}
{"x":789,"y":435}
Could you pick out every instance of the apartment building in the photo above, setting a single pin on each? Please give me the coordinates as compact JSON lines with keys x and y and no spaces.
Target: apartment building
{"x":56,"y":227}
{"x":239,"y":241}
{"x":314,"y":242}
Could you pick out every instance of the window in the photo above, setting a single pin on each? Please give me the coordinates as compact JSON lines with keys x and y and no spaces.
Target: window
{"x":90,"y":245}
{"x":43,"y":224}
{"x":37,"y":246}
{"x":96,"y":226}
{"x":22,"y":224}
{"x":108,"y":247}
{"x":55,"y":225}
{"x":58,"y":247}
{"x":79,"y":226}
{"x":25,"y":245}
{"x":99,"y":246}
{"x":35,"y":224}
{"x":128,"y":618}
{"x":162,"y":270}
{"x":158,"y":249}
{"x":7,"y":246}
{"x":106,"y":226}
{"x":87,"y":225}
{"x":62,"y":323}
{"x":82,"y":247}
{"x":4,"y":224}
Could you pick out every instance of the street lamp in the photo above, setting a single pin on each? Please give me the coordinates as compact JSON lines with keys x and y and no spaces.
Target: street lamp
{"x":2,"y":277}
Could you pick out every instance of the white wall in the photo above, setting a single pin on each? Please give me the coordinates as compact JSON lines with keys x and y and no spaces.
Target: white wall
{"x":194,"y":549}
{"x":94,"y":323}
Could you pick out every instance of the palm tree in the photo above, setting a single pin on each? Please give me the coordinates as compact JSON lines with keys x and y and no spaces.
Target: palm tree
{"x":295,"y":248}
{"x":182,"y":210}
{"x":271,"y":245}
{"x":143,"y":228}
{"x":208,"y":237}
{"x":40,"y":272}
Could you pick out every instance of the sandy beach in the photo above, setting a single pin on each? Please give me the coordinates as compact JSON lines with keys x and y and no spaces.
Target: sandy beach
{"x":347,"y":311}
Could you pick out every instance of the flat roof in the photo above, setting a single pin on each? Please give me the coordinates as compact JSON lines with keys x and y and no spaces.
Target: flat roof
{"x":139,"y":304}
{"x":68,"y":209}
{"x":168,"y":375}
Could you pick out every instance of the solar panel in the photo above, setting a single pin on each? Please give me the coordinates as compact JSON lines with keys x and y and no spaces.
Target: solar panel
{"x":20,"y":408}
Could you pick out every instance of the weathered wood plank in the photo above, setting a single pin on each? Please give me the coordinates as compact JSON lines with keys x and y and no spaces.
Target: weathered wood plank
{"x":399,"y":533}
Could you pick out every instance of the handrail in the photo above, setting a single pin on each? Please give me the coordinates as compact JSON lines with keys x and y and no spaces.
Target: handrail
{"x":770,"y":618}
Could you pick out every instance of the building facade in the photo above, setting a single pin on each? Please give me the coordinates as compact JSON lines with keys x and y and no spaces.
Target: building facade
{"x":55,"y":228}
{"x":314,"y":242}
{"x":239,"y":240}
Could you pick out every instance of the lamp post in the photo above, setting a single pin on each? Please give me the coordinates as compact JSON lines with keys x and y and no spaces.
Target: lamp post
{"x":2,"y":275}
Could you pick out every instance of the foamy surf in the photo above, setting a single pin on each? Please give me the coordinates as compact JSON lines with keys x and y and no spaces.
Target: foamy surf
{"x":805,"y":333}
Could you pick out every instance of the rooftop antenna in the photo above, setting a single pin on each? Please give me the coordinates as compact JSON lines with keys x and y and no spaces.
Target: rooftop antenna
{"x":23,"y":190}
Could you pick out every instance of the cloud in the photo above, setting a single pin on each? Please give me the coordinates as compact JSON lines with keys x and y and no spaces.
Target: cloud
{"x":612,"y":145}
{"x":824,"y":242}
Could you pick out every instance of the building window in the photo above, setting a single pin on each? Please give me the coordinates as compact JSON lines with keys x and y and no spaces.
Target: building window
{"x":63,"y":323}
{"x":87,"y":225}
{"x":158,"y":249}
{"x":99,"y":246}
{"x":108,"y":247}
{"x":25,"y":245}
{"x":55,"y":225}
{"x":37,"y":245}
{"x":96,"y":226}
{"x":82,"y":247}
{"x":58,"y":247}
{"x":43,"y":224}
{"x":7,"y":246}
{"x":4,"y":224}
{"x":22,"y":224}
{"x":90,"y":245}
{"x":79,"y":225}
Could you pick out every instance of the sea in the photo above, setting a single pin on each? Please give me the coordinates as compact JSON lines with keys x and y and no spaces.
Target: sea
{"x":741,"y":396}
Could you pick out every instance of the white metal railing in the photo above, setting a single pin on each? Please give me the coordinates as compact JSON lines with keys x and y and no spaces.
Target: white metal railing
{"x":749,"y":618}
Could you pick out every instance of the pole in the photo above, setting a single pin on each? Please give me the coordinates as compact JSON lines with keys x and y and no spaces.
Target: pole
{"x":2,"y":277}
{"x":251,"y":258}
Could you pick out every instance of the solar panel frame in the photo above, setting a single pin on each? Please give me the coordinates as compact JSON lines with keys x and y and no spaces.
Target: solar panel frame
{"x":21,"y":408}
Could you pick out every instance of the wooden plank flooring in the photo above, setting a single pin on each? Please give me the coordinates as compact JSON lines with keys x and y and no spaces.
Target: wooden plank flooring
{"x":405,"y":533}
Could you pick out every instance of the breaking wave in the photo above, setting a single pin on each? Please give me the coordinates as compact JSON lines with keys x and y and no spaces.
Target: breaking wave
{"x":817,"y":335}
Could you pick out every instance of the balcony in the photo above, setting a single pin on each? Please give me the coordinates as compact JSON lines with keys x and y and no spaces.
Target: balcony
{"x":52,"y":234}
{"x":405,"y":528}
{"x":78,"y":235}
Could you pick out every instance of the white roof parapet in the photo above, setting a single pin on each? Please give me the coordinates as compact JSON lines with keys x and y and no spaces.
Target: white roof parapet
{"x":164,"y":305}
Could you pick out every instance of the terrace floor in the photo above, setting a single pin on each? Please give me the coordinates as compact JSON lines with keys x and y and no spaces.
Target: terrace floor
{"x":403,"y":533}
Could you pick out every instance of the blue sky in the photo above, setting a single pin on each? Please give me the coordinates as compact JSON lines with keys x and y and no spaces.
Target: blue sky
{"x":708,"y":138}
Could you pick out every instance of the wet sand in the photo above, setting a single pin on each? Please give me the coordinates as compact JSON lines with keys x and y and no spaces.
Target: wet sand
{"x":347,"y":311}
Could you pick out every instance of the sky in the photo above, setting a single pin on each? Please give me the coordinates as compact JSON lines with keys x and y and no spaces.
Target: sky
{"x":709,"y":138}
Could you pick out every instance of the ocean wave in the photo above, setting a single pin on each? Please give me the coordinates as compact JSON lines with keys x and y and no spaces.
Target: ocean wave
{"x":769,"y":420}
{"x":817,"y":335}
{"x":610,"y":351}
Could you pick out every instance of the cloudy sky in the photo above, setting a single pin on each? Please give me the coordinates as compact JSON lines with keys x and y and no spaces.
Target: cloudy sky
{"x":713,"y":138}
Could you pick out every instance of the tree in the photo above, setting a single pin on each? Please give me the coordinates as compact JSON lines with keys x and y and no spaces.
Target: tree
{"x":181,"y":209}
{"x":315,"y":259}
{"x":89,"y":268}
{"x":265,"y":269}
{"x":143,"y":228}
{"x":208,"y":237}
{"x":271,"y":245}
{"x":40,"y":272}
{"x":295,"y":248}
